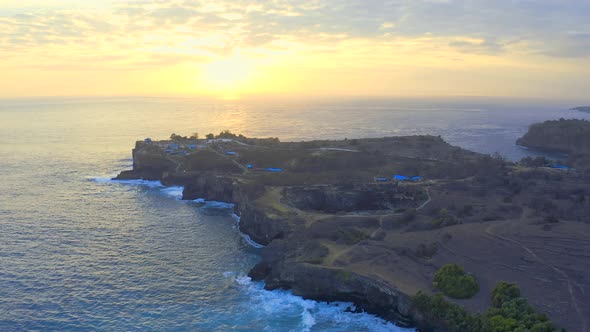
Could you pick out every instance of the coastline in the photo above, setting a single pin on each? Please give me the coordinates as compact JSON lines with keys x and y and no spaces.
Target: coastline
{"x":360,"y":305}
{"x":367,"y":255}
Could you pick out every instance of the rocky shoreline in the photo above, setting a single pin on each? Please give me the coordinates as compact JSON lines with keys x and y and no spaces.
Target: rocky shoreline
{"x":277,"y":269}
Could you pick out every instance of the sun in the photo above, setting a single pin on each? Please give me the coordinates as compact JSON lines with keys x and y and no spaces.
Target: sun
{"x":229,"y":76}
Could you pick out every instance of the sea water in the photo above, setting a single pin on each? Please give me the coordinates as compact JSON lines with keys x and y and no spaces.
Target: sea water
{"x":81,"y":252}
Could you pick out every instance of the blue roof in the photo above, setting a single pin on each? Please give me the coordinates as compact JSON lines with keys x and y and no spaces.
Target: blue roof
{"x":400,"y":177}
{"x":416,"y":178}
{"x":560,"y":166}
{"x":230,"y":153}
{"x":192,"y":146}
{"x":272,"y":169}
{"x":249,"y":166}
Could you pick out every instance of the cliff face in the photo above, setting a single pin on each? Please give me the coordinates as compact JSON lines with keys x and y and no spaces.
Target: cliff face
{"x":365,"y":198}
{"x":149,"y":163}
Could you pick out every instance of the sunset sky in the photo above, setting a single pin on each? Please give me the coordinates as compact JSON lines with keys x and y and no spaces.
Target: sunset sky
{"x":523,"y":48}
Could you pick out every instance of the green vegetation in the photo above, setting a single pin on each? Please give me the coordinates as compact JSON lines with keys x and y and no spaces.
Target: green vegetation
{"x":426,"y":251}
{"x":503,"y":293}
{"x":408,"y":215}
{"x":535,"y":162}
{"x":444,"y":219}
{"x":452,"y":280}
{"x":509,"y":313}
{"x":351,"y":236}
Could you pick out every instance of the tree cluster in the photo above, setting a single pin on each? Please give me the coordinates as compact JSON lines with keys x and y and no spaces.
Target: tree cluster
{"x":509,"y":313}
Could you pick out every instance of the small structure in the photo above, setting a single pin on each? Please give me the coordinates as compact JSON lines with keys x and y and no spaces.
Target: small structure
{"x":230,"y":153}
{"x":380,"y":179}
{"x":192,"y":146}
{"x":249,"y":166}
{"x":400,"y":177}
{"x":273,"y":169}
{"x":557,"y":166}
{"x":148,"y":140}
{"x":173,"y":146}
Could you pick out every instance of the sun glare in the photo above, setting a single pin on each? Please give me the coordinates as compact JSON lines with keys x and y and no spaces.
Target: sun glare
{"x":229,"y":76}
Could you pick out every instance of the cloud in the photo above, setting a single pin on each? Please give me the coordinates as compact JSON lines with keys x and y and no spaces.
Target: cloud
{"x":571,"y":45}
{"x":477,"y":46}
{"x":194,"y":27}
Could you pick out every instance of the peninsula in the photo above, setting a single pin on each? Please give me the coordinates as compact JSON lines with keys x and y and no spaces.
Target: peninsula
{"x":391,"y":223}
{"x":571,"y":137}
{"x":582,"y":109}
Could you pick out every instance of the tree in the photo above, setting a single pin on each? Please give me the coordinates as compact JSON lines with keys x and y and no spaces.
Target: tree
{"x":452,"y":280}
{"x":504,"y":292}
{"x":195,"y":135}
{"x":210,"y":136}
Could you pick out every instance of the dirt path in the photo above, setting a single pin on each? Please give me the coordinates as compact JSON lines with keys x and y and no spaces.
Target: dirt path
{"x":490,"y":231}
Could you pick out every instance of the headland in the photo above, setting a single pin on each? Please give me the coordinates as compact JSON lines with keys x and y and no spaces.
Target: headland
{"x":370,"y":221}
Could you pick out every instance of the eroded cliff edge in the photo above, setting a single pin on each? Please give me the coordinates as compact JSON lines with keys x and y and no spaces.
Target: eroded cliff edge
{"x":344,"y":220}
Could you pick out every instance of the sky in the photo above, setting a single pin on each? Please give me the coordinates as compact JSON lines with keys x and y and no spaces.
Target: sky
{"x":232,"y":49}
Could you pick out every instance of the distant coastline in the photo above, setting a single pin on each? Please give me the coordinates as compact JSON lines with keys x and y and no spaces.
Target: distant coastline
{"x":585,"y":109}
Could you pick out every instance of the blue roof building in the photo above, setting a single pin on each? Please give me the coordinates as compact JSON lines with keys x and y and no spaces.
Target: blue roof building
{"x":230,"y":153}
{"x":273,"y":169}
{"x":400,"y":177}
{"x":556,"y":166}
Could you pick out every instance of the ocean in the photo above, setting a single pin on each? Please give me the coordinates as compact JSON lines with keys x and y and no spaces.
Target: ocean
{"x":81,"y":252}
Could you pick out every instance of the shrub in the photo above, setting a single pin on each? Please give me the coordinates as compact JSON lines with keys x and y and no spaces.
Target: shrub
{"x":444,"y":219}
{"x":408,"y":215}
{"x":504,"y":292}
{"x":452,"y":280}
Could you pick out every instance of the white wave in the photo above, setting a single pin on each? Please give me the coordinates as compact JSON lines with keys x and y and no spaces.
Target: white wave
{"x":246,"y":237}
{"x":218,"y":205}
{"x":175,"y":192}
{"x":312,"y":315}
{"x":100,"y":179}
{"x":147,"y":183}
{"x":307,"y":320}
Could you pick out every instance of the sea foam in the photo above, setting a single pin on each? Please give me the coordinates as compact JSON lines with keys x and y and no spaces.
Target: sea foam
{"x":311,"y":315}
{"x":246,"y":237}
